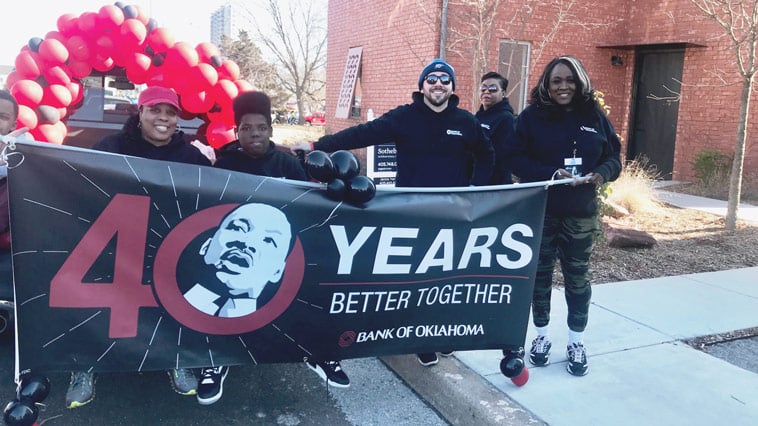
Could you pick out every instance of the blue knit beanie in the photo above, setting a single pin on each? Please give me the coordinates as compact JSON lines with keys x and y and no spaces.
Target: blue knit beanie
{"x":436,"y":65}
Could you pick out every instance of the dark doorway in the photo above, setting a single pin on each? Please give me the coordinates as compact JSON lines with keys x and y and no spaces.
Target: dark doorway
{"x":657,"y":88}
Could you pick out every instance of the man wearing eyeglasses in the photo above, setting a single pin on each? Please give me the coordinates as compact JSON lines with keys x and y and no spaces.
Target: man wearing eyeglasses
{"x":436,"y":141}
{"x":438,"y":144}
{"x":496,"y":116}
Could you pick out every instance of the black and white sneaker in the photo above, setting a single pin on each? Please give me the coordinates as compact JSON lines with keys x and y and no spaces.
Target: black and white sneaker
{"x":331,"y":372}
{"x":427,"y":359}
{"x":211,"y":384}
{"x":577,"y":359}
{"x":539,"y":354}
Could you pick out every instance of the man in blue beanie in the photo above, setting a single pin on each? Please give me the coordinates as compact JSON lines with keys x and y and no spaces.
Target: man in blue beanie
{"x":438,"y":144}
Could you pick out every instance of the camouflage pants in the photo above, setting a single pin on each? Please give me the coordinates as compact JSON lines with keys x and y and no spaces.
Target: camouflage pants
{"x":568,"y":239}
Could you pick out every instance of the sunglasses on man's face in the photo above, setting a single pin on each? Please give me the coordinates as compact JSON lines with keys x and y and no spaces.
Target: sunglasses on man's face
{"x":432,"y":79}
{"x":492,"y":88}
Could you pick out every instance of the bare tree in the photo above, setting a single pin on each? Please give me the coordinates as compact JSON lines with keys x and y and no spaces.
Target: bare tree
{"x":297,"y":39}
{"x":738,"y":19}
{"x":253,"y":67}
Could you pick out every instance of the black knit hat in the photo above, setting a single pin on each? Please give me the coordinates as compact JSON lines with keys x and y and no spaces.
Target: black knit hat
{"x":251,"y":103}
{"x":436,"y":65}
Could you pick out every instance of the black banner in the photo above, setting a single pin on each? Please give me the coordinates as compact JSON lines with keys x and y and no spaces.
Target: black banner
{"x":124,"y":264}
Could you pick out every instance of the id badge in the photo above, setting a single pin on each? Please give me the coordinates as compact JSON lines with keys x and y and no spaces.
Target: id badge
{"x":573,"y":165}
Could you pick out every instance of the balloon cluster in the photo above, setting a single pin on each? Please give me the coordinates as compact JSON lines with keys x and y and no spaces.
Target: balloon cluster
{"x":512,"y":366}
{"x":339,"y":171}
{"x":48,"y":72}
{"x":23,"y":411}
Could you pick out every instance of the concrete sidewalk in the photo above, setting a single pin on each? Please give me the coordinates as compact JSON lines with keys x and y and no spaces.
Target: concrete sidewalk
{"x":641,"y":372}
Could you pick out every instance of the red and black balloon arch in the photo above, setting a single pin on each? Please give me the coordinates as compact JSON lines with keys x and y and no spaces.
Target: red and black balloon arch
{"x":46,"y":80}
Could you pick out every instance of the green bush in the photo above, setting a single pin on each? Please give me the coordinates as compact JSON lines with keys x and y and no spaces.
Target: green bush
{"x":711,"y":168}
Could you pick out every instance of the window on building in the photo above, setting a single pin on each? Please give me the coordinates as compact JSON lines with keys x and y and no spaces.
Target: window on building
{"x":513,"y":63}
{"x":346,"y":102}
{"x":355,"y":110}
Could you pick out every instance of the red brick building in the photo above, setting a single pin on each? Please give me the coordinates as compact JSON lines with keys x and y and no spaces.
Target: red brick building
{"x":667,"y":71}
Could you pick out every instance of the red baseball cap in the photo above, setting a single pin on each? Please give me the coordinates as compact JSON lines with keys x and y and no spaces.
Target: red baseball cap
{"x":158,"y":95}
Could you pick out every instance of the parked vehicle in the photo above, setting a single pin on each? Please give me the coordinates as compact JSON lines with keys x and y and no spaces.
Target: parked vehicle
{"x":317,"y":118}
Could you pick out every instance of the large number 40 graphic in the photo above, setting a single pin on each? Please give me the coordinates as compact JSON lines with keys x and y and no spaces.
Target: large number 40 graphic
{"x":125,"y":217}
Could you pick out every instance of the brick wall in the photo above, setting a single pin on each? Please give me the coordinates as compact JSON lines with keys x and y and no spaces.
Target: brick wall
{"x":399,"y":36}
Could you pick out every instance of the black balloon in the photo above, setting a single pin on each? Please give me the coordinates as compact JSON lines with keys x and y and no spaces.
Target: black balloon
{"x":320,"y":167}
{"x":33,"y":386}
{"x":20,"y":413}
{"x":119,"y":5}
{"x":336,"y":189}
{"x":216,"y":61}
{"x":158,"y":59}
{"x":346,"y":164}
{"x":511,"y":366}
{"x":151,"y":25}
{"x":130,"y":11}
{"x":361,"y":189}
{"x":34,"y":43}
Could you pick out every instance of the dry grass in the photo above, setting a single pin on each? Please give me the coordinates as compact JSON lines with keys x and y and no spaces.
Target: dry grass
{"x":286,"y":135}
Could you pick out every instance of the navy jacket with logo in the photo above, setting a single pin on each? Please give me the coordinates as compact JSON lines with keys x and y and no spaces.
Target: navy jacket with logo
{"x":546,"y":136}
{"x":498,"y":122}
{"x":434,"y":149}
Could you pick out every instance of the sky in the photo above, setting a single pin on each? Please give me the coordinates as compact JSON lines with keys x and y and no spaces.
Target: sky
{"x":187,"y":21}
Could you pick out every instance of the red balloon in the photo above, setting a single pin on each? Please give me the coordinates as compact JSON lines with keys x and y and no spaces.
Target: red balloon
{"x":79,"y":48}
{"x":137,"y":67}
{"x":244,"y":86}
{"x":142,"y":15}
{"x":53,"y":51}
{"x":225,"y":91}
{"x":59,"y":74}
{"x":77,"y":92}
{"x":219,"y":134}
{"x":229,"y":70}
{"x":110,"y":16}
{"x":56,"y":95}
{"x":87,"y":24}
{"x":101,"y":63}
{"x":160,"y":40}
{"x":12,"y":78}
{"x":105,"y":45}
{"x":181,"y":57}
{"x":57,"y":36}
{"x":205,"y":77}
{"x":68,"y":24}
{"x":53,"y":133}
{"x":26,"y":117}
{"x":27,"y":65}
{"x":27,"y":92}
{"x":63,"y":112}
{"x":206,"y":51}
{"x":133,"y":32}
{"x":224,"y":116}
{"x":196,"y":103}
{"x":79,"y":69}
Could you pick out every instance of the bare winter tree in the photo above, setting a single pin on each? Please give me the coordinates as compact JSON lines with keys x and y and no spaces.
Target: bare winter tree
{"x":296,"y":37}
{"x":739,"y":20}
{"x":253,"y":67}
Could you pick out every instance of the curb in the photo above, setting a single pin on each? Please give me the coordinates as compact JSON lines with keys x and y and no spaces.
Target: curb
{"x":459,"y":395}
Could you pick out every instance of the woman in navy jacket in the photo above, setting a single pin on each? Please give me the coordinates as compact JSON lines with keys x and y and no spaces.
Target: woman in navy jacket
{"x":563,"y":133}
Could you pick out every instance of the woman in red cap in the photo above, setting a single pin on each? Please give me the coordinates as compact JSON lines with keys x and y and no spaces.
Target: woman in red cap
{"x":151,"y":133}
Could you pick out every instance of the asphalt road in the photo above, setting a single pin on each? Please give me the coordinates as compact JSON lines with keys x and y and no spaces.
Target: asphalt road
{"x":270,"y":394}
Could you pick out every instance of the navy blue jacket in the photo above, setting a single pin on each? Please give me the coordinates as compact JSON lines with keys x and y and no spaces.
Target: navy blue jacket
{"x":498,"y":122}
{"x":177,"y":150}
{"x":546,"y":136}
{"x":434,"y":149}
{"x":274,"y":163}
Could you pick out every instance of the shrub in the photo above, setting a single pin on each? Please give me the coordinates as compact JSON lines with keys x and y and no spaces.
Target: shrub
{"x":633,"y":190}
{"x":711,"y":168}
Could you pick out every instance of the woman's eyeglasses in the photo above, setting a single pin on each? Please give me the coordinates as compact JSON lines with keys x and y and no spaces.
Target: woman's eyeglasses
{"x":432,"y":79}
{"x":492,"y":88}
